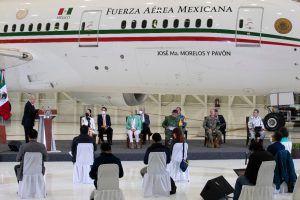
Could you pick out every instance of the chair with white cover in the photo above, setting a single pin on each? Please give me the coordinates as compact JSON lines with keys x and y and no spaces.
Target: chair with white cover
{"x":82,"y":166}
{"x":33,"y":182}
{"x":108,"y":183}
{"x":264,"y":184}
{"x":174,"y":166}
{"x":157,"y":180}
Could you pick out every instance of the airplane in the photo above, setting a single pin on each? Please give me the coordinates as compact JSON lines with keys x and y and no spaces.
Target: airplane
{"x":117,"y":51}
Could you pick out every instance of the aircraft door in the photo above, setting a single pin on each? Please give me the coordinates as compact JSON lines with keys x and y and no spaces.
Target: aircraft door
{"x":249,"y":27}
{"x":89,"y":28}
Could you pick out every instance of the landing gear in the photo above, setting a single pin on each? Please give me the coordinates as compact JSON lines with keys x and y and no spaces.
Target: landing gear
{"x":274,"y":121}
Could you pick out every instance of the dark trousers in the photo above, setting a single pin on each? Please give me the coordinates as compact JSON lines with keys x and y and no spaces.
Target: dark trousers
{"x":108,"y":131}
{"x":17,"y":169}
{"x":27,"y":130}
{"x":146,"y":131}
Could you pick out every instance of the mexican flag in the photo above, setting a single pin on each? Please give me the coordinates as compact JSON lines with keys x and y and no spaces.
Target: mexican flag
{"x":64,"y":11}
{"x":5,"y":106}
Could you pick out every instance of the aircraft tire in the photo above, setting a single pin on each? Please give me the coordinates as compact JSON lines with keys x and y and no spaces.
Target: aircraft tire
{"x":274,"y":121}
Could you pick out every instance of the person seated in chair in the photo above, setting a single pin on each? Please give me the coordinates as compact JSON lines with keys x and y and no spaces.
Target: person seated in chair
{"x":83,"y":137}
{"x":157,"y":146}
{"x":31,"y":146}
{"x":255,"y":159}
{"x":145,"y":126}
{"x":134,"y":126}
{"x":106,"y":157}
{"x":182,"y":122}
{"x":104,"y":126}
{"x":276,"y":144}
{"x":221,"y":123}
{"x":169,"y":124}
{"x":256,"y":126}
{"x":212,"y":132}
{"x":89,"y":121}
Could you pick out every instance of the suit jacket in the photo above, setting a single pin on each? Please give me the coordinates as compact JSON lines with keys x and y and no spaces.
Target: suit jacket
{"x":222,"y":123}
{"x":146,"y":123}
{"x":138,"y":122}
{"x":29,"y":115}
{"x":100,"y":121}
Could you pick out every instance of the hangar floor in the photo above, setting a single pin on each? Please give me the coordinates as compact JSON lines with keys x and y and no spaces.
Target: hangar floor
{"x":59,"y":182}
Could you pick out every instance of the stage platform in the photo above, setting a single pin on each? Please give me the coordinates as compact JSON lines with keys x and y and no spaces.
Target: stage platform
{"x":232,"y":149}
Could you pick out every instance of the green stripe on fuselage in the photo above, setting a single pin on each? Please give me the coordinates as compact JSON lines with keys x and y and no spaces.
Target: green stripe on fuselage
{"x":146,"y":31}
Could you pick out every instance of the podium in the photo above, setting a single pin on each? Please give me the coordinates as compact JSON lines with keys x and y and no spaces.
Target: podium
{"x":45,"y":135}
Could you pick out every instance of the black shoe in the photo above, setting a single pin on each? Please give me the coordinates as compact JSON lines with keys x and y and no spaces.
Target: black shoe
{"x":172,"y":192}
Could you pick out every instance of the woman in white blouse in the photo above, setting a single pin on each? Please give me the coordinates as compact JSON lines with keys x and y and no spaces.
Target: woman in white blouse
{"x":88,"y":121}
{"x":177,"y":155}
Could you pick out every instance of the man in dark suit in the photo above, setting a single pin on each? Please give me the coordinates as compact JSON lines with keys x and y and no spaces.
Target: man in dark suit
{"x":221,"y":123}
{"x":146,"y":122}
{"x":29,"y":116}
{"x":104,"y":126}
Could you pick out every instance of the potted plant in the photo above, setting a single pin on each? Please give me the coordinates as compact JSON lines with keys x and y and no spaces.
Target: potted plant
{"x":296,"y":151}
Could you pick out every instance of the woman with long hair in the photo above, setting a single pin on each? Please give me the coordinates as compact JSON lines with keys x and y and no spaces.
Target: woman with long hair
{"x":179,"y":152}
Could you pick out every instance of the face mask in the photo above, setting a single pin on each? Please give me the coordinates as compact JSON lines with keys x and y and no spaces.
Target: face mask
{"x":103,"y":112}
{"x":87,"y":114}
{"x":141,"y":112}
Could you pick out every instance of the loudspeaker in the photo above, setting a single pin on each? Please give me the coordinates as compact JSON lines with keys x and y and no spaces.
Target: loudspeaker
{"x":14,"y":145}
{"x":216,"y":188}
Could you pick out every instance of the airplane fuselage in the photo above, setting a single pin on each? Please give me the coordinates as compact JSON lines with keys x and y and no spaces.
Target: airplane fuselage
{"x":215,"y":47}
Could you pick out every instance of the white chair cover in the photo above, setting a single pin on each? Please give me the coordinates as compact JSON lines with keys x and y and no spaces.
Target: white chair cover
{"x":82,"y":166}
{"x":288,"y":146}
{"x":263,"y":189}
{"x":33,"y":183}
{"x":108,"y":183}
{"x":296,"y":193}
{"x":174,"y":166}
{"x":157,"y":179}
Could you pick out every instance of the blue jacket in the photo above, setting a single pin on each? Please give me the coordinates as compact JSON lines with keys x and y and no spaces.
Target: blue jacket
{"x":284,"y":170}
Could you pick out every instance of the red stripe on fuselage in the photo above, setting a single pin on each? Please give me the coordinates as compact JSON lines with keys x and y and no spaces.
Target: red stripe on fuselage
{"x":143,"y":39}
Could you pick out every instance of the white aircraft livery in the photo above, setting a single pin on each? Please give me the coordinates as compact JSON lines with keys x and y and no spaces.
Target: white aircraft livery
{"x":137,"y":47}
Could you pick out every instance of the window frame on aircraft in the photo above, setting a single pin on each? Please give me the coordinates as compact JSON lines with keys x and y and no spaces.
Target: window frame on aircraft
{"x":123,"y":24}
{"x":48,"y":26}
{"x":39,"y":27}
{"x":165,"y":23}
{"x":14,"y":28}
{"x":66,"y":26}
{"x":144,"y":24}
{"x":209,"y":23}
{"x":30,"y":27}
{"x":241,"y":23}
{"x":82,"y":26}
{"x":154,"y":23}
{"x":56,"y":26}
{"x":5,"y":28}
{"x":133,"y":24}
{"x":198,"y":23}
{"x":187,"y":23}
{"x":176,"y":23}
{"x":22,"y":27}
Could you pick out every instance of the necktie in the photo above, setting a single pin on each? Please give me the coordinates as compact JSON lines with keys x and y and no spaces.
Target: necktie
{"x":104,"y":120}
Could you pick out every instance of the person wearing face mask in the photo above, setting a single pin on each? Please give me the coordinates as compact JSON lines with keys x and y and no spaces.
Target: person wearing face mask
{"x":89,"y":121}
{"x":145,"y":126}
{"x":169,"y":124}
{"x":104,"y":126}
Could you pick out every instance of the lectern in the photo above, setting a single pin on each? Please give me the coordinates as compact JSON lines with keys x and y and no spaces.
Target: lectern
{"x":45,"y":135}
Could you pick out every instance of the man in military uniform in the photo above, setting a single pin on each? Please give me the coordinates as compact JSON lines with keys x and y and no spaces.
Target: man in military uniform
{"x":212,"y":132}
{"x":169,"y":124}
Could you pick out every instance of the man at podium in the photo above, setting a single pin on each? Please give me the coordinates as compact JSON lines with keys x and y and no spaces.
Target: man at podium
{"x":29,"y":116}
